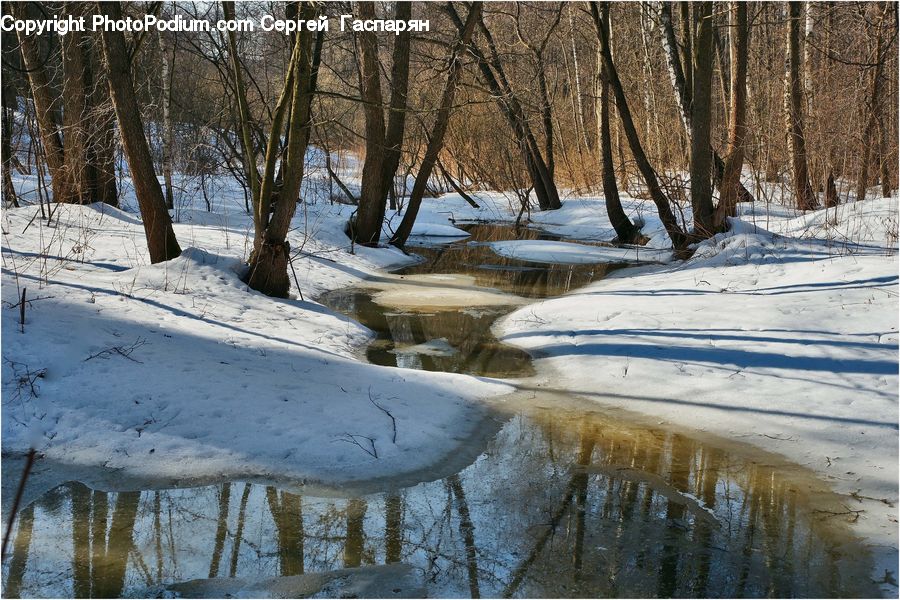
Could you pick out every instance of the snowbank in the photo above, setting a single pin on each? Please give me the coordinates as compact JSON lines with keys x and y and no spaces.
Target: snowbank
{"x":786,"y":343}
{"x":177,"y":371}
{"x":543,"y":251}
{"x":422,"y":229}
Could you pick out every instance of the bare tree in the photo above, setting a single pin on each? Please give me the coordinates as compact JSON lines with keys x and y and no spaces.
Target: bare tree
{"x":670,"y":223}
{"x":701,"y":120}
{"x":366,"y":226}
{"x":275,"y":205}
{"x":41,"y":93}
{"x":393,"y":136}
{"x":682,"y":85}
{"x":874,"y":100}
{"x":793,"y":110}
{"x":436,"y":138}
{"x":626,"y":232}
{"x":737,"y":130}
{"x":492,"y":71}
{"x":161,"y":240}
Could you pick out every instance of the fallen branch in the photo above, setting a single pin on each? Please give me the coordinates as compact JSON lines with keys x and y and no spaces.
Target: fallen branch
{"x":123,"y":351}
{"x":388,"y":413}
{"x":351,"y":439}
{"x":26,"y":379}
{"x":854,"y":514}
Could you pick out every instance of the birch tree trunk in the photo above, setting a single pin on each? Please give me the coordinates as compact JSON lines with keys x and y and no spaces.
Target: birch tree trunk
{"x":677,"y":75}
{"x":793,"y":100}
{"x":737,"y":130}
{"x":166,"y":124}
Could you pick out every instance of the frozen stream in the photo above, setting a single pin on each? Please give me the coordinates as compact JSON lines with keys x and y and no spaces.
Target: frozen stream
{"x":563,"y":500}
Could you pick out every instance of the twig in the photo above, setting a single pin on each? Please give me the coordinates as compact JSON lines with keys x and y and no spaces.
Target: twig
{"x":854,"y":514}
{"x":29,"y":378}
{"x":123,"y":351}
{"x":28,"y":302}
{"x":296,"y":281}
{"x":388,"y":413}
{"x":351,"y":439}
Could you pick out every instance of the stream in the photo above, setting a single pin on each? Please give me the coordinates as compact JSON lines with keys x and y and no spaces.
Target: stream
{"x":566,"y":500}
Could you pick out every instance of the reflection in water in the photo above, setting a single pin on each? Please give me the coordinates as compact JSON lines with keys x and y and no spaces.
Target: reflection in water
{"x":464,"y":340}
{"x":472,"y":256}
{"x":560,"y":504}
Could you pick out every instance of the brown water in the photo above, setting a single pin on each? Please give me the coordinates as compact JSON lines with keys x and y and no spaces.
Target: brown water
{"x":564,"y":501}
{"x":561,"y":503}
{"x":459,"y":339}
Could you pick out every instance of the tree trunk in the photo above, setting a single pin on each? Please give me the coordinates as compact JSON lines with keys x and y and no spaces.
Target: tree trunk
{"x":260,"y":212}
{"x":737,"y":131}
{"x":38,"y":78}
{"x":494,"y":75}
{"x":683,"y":91}
{"x":884,"y":146}
{"x":102,"y":137}
{"x":701,"y":121}
{"x":686,"y":46}
{"x":831,"y":196}
{"x":546,"y":117}
{"x":793,"y":99}
{"x":161,"y":240}
{"x":679,"y":240}
{"x":874,"y":116}
{"x":436,"y":139}
{"x":75,"y":109}
{"x":166,"y":124}
{"x":7,"y":97}
{"x":269,"y":263}
{"x":393,"y":139}
{"x":366,"y":227}
{"x":626,"y":232}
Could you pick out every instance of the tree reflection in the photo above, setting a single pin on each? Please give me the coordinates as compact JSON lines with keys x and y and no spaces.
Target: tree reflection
{"x":561,"y":504}
{"x":287,"y":513}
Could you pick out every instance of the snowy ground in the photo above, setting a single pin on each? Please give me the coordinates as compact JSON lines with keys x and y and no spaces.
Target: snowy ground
{"x":781,"y":334}
{"x":786,"y":341}
{"x":178,"y":371}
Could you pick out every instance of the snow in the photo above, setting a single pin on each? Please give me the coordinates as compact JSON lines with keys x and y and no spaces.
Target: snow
{"x":422,"y":229}
{"x":543,"y":251}
{"x":177,"y":371}
{"x":787,"y":342}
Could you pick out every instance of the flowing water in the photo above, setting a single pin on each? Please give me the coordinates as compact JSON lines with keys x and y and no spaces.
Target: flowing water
{"x":459,"y":340}
{"x":564,"y":501}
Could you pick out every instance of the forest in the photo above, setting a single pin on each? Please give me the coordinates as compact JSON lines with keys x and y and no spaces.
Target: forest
{"x":488,"y":299}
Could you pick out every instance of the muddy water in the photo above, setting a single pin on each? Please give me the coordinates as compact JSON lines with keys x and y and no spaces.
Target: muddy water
{"x":564,"y":501}
{"x":561,"y":503}
{"x":458,"y":339}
